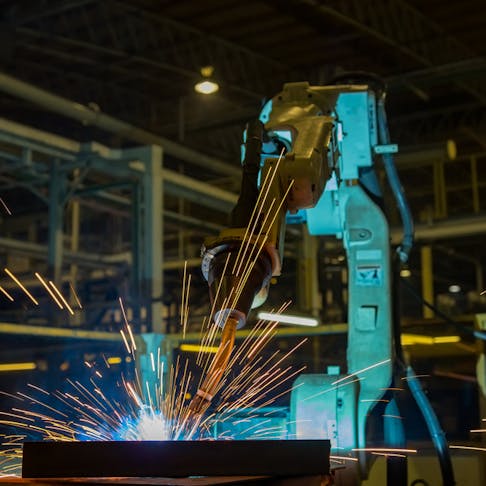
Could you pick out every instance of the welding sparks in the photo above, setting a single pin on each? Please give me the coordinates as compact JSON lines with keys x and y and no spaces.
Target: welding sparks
{"x":470,"y":448}
{"x":5,"y":207}
{"x":343,"y":459}
{"x":157,"y":413}
{"x":129,"y":329}
{"x":186,"y":285}
{"x":380,"y":363}
{"x":49,"y":291}
{"x":388,"y":454}
{"x":384,"y":450}
{"x":4,"y":292}
{"x":158,"y":408}
{"x":129,"y":350}
{"x":63,"y":300}
{"x":148,"y":425}
{"x":19,"y":283}
{"x":75,"y":295}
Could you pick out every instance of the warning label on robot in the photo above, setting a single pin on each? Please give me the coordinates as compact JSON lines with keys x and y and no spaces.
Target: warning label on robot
{"x":369,"y":275}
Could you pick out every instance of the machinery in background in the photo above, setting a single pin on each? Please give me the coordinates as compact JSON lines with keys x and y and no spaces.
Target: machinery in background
{"x":311,"y":157}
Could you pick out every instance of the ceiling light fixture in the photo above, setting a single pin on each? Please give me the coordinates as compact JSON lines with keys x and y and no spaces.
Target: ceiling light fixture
{"x":206,"y":85}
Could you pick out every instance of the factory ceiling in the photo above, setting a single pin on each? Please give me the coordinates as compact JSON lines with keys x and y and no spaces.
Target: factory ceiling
{"x":138,"y":60}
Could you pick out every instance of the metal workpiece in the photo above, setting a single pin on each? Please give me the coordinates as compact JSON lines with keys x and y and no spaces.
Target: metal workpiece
{"x":167,"y":459}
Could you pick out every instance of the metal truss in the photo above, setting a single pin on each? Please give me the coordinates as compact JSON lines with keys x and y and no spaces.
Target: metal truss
{"x":123,"y":33}
{"x":437,"y":125}
{"x":402,"y":27}
{"x":115,"y":44}
{"x":118,"y":57}
{"x":129,"y":104}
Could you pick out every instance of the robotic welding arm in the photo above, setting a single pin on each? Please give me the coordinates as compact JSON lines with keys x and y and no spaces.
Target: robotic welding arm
{"x":297,"y":131}
{"x":298,"y":126}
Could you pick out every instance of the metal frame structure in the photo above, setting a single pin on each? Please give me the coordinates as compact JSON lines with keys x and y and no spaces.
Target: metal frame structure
{"x":139,"y":168}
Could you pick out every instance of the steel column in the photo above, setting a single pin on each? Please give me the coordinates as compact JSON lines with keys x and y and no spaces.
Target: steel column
{"x":308,"y":295}
{"x":427,"y":279}
{"x":474,"y":184}
{"x":153,"y":235}
{"x":55,"y":236}
{"x":440,"y":191}
{"x":136,"y":251}
{"x":75,"y":224}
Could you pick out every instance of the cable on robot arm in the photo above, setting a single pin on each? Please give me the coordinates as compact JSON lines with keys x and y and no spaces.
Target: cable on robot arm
{"x":405,"y":247}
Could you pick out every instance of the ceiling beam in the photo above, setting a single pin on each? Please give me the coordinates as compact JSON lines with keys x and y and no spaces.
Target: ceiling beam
{"x":26,"y":12}
{"x":399,"y":25}
{"x":128,"y":33}
{"x":454,"y":122}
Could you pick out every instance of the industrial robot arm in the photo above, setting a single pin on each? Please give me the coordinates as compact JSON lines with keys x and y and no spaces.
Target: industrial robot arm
{"x":297,"y":128}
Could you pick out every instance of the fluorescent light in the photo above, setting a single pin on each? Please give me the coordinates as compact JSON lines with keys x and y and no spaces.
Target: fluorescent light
{"x":411,"y":339}
{"x":454,"y":289}
{"x":18,"y":366}
{"x":447,"y":339}
{"x":196,"y":348}
{"x":405,"y":273}
{"x":288,"y":319}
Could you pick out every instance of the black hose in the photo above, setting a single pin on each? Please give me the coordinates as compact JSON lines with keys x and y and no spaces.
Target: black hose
{"x":407,"y":240}
{"x":240,"y":216}
{"x":436,"y":433}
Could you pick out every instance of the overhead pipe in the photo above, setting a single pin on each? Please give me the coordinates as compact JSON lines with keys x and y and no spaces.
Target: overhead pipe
{"x":89,"y":116}
{"x":34,"y":249}
{"x":421,"y":155}
{"x":445,"y":229}
{"x":173,"y":216}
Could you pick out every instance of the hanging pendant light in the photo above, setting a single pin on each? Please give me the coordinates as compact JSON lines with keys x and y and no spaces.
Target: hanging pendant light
{"x":206,"y":85}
